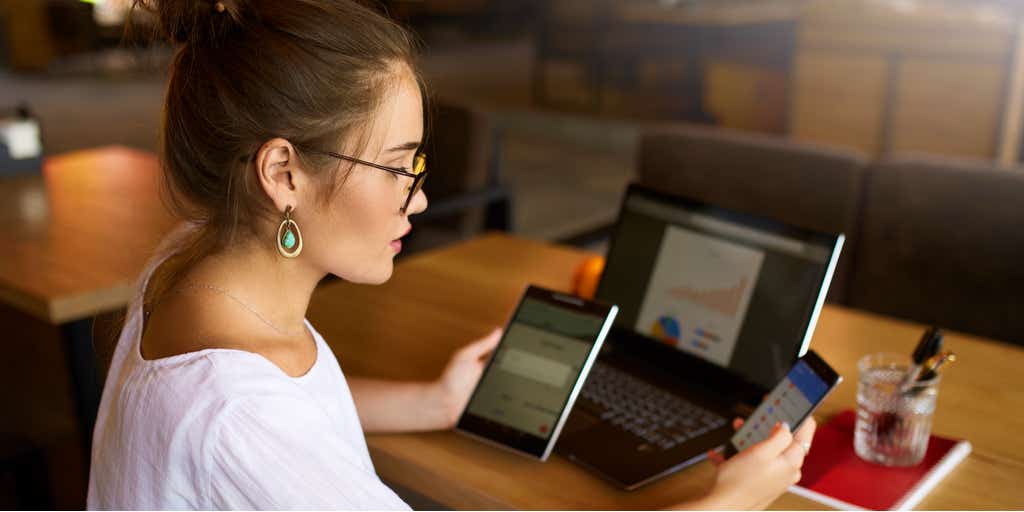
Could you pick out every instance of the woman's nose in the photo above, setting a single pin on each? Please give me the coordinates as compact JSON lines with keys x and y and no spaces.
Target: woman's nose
{"x":418,"y":204}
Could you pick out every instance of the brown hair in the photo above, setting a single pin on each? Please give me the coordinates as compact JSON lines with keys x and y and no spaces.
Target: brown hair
{"x":246,"y":71}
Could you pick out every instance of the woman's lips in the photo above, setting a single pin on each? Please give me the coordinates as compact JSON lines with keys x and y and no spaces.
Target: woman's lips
{"x":396,"y":244}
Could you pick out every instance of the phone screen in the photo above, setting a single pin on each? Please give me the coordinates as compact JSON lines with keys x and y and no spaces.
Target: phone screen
{"x":792,"y":400}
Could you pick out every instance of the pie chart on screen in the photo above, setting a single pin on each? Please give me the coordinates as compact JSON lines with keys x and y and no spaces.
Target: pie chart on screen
{"x":667,"y":330}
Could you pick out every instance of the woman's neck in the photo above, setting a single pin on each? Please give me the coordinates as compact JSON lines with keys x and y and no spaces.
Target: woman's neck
{"x":274,"y":289}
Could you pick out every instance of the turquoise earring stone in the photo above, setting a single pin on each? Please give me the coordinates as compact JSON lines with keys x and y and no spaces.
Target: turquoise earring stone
{"x":289,"y":239}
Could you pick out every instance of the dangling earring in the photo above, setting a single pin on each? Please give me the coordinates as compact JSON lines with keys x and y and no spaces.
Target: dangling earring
{"x":289,"y":238}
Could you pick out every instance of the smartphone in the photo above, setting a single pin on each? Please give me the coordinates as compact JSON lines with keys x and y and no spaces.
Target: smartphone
{"x":803,"y":389}
{"x":529,"y":386}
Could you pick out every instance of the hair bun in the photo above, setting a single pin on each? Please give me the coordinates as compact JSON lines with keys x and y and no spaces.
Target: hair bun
{"x":196,"y":22}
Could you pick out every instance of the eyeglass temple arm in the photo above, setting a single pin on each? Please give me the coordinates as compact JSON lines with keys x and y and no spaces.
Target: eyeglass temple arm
{"x":340,"y":156}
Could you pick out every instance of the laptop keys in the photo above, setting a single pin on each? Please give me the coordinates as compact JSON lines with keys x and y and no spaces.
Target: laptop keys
{"x":661,"y":419}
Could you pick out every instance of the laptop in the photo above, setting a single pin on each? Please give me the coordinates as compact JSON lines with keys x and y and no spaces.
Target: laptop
{"x":715,"y":306}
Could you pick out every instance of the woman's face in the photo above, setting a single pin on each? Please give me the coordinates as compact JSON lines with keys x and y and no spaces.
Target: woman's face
{"x":357,"y":234}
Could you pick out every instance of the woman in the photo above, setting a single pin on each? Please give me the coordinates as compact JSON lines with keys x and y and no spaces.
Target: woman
{"x":290,"y":140}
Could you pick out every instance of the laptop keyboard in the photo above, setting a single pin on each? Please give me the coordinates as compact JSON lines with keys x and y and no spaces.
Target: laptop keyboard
{"x":660,"y":418}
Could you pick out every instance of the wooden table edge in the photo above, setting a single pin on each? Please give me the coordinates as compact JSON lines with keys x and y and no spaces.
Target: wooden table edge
{"x":118,"y":149}
{"x":69,"y":308}
{"x":26,"y":303}
{"x":412,"y":475}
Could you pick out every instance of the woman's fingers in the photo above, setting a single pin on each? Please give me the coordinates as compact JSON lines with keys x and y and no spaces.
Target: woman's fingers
{"x":716,"y":457}
{"x":797,"y":451}
{"x":805,"y":434}
{"x":778,"y":441}
{"x":794,"y":454}
{"x":480,"y":348}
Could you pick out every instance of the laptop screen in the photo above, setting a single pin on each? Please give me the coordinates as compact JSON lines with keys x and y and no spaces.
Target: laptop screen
{"x":738,"y":291}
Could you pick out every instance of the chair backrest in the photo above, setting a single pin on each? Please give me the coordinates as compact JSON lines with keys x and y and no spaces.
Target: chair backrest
{"x":942,"y":242}
{"x":796,"y":183}
{"x":463,"y":148}
{"x":459,"y":147}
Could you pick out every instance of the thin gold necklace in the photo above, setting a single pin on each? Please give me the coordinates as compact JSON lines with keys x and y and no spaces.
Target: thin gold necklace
{"x":240,"y":302}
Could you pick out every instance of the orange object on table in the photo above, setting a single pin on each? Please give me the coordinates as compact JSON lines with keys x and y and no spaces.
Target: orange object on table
{"x":588,"y":274}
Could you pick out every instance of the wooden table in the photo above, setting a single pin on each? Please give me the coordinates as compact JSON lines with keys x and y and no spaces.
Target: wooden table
{"x":436,"y":301}
{"x":76,"y":237}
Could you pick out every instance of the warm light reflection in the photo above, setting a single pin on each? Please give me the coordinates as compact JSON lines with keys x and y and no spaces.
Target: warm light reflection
{"x":33,"y":206}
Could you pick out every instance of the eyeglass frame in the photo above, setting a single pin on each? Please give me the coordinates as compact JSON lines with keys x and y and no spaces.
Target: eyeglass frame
{"x":418,"y":178}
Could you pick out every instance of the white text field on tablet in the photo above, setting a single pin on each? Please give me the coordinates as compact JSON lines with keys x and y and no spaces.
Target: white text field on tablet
{"x":533,"y":367}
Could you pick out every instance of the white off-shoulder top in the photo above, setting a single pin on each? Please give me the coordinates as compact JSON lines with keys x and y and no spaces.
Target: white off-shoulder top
{"x":228,"y":429}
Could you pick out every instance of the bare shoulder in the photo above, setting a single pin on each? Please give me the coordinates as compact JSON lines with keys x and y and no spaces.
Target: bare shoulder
{"x":187,"y":322}
{"x":295,"y":359}
{"x":183,"y":323}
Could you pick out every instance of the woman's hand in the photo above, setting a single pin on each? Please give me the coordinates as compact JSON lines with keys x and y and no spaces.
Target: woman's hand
{"x":462,"y":373}
{"x":755,"y":477}
{"x":394,"y":406}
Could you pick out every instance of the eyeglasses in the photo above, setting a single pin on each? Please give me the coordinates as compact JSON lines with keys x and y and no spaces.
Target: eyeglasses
{"x":418,"y":172}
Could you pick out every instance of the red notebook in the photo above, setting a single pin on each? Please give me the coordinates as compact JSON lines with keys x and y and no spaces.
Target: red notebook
{"x":835,"y":476}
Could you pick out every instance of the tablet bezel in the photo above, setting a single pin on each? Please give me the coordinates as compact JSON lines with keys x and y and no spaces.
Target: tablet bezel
{"x":510,"y":438}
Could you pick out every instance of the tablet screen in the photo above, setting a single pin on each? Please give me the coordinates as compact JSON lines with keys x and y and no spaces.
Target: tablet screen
{"x":525,"y":389}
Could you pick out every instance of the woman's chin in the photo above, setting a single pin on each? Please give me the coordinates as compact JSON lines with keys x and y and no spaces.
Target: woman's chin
{"x":386,"y":272}
{"x":381,"y":279}
{"x":375,"y":277}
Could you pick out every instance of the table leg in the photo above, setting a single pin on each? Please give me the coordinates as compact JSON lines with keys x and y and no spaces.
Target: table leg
{"x":85,"y":377}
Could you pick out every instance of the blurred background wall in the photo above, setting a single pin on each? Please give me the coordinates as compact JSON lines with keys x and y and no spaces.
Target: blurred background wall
{"x":880,"y":76}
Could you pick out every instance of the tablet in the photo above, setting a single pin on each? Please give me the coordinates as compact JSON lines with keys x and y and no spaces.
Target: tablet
{"x":528,"y":387}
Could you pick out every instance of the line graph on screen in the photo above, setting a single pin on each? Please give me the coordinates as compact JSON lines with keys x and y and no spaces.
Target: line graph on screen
{"x":699,"y":293}
{"x":726,"y":301}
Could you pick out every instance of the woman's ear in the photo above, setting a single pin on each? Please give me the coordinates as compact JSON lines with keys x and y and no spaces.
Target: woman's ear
{"x":279,"y":174}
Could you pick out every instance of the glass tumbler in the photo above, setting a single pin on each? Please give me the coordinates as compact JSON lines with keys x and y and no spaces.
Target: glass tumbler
{"x":894,"y":422}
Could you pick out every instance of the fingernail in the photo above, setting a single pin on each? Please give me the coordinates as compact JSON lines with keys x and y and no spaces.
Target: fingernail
{"x":785,"y":425}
